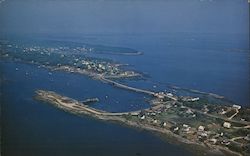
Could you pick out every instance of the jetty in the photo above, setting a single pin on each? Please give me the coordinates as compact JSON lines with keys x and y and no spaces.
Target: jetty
{"x":90,"y":100}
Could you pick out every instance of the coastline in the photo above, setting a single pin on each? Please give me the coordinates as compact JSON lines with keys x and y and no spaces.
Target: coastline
{"x":165,"y":134}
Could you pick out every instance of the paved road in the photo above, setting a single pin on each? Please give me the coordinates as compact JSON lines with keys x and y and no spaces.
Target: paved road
{"x":127,"y":87}
{"x":117,"y":84}
{"x":220,"y":117}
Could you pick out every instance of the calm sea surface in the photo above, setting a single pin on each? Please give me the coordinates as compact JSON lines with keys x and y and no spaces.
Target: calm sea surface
{"x":34,"y":128}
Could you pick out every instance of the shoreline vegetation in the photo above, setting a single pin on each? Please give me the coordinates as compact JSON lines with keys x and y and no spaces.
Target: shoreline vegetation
{"x":209,"y":121}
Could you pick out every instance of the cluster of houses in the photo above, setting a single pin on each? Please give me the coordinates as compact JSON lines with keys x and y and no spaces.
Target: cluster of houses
{"x":163,"y":95}
{"x":151,"y":115}
{"x":50,"y":49}
{"x":102,"y":67}
{"x":54,"y":49}
{"x":153,"y":121}
{"x":43,"y":50}
{"x":200,"y":133}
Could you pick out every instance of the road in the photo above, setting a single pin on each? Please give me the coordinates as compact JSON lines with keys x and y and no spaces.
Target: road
{"x":114,"y":83}
{"x":117,"y":84}
{"x":219,"y":117}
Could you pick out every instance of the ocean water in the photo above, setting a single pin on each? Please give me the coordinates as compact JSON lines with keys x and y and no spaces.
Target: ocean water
{"x":33,"y":128}
{"x":207,"y":62}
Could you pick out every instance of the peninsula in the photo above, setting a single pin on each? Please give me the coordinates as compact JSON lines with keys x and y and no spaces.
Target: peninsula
{"x":174,"y":118}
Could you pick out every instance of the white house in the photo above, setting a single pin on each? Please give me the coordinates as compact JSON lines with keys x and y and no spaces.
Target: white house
{"x":236,"y":106}
{"x":201,"y":128}
{"x":226,"y":124}
{"x":143,"y":117}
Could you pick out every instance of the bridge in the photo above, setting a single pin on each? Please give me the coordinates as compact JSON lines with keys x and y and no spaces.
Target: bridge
{"x":151,"y":93}
{"x":114,"y":83}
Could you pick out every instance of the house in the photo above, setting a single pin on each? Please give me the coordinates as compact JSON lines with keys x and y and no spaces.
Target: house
{"x":226,"y":124}
{"x":143,"y":117}
{"x":204,"y":134}
{"x":170,"y":94}
{"x":164,"y":124}
{"x":176,"y":128}
{"x":201,"y":128}
{"x":186,"y":128}
{"x":236,"y":106}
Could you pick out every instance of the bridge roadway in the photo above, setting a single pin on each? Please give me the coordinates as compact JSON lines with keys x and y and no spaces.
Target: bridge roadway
{"x":117,"y":84}
{"x":127,"y":87}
